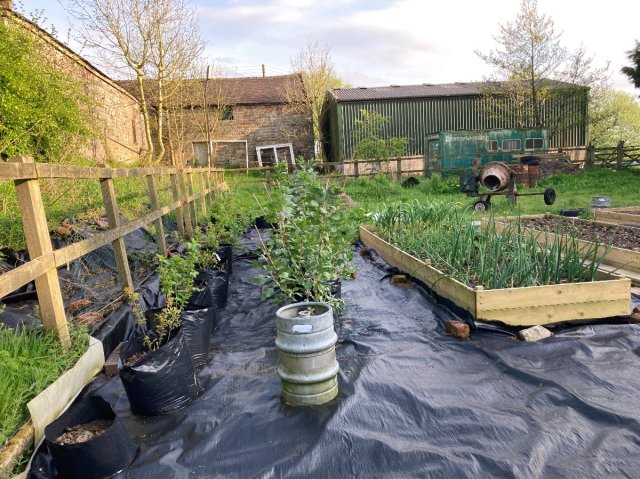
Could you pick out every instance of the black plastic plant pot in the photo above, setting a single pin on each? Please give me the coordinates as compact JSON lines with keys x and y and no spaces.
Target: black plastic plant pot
{"x":263,"y":224}
{"x":101,"y":456}
{"x":213,"y":290}
{"x":161,"y":381}
{"x":197,"y":326}
{"x":225,"y":252}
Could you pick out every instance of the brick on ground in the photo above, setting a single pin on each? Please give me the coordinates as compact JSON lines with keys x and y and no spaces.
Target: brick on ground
{"x":457,"y":329}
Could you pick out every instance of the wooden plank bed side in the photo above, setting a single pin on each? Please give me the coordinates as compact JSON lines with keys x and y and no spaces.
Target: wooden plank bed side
{"x":439,"y":282}
{"x":617,"y":217}
{"x":551,"y":304}
{"x":526,"y":306}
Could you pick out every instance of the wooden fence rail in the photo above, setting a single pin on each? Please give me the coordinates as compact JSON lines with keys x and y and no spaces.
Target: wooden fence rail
{"x":193,"y":191}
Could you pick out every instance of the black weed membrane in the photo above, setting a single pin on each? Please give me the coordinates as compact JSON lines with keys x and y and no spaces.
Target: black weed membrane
{"x":413,"y":401}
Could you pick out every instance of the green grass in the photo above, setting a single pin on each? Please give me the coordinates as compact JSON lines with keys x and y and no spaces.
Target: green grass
{"x":29,"y":362}
{"x":81,"y":199}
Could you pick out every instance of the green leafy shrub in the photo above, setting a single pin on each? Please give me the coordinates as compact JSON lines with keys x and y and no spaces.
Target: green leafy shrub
{"x":311,"y":247}
{"x":43,"y":111}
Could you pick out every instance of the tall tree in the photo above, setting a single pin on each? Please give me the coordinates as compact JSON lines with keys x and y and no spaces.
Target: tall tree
{"x":633,"y":71}
{"x":155,"y":41}
{"x":614,"y":116}
{"x":532,"y":66}
{"x":313,"y":63}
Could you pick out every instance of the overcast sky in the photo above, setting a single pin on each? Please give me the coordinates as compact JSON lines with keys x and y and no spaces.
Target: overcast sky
{"x":393,"y":42}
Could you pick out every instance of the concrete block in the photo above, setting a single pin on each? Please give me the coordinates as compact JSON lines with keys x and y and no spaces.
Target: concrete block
{"x":534,"y":333}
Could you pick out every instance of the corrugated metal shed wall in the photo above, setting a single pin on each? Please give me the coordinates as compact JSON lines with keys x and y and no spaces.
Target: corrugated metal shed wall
{"x":417,"y":117}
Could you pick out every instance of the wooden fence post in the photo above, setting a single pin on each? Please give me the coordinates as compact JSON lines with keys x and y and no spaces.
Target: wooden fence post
{"x":590,"y":155}
{"x":119,"y":249}
{"x":155,"y":204}
{"x":619,"y":154}
{"x":193,"y":210}
{"x":176,"y":197}
{"x":186,"y":211}
{"x":203,"y":198}
{"x":356,"y":168}
{"x":267,"y":175}
{"x":399,"y":167}
{"x":36,"y":232}
{"x":207,"y":185}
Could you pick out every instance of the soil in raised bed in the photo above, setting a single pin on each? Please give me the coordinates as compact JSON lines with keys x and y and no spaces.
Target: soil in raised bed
{"x":614,"y":235}
{"x":83,"y":432}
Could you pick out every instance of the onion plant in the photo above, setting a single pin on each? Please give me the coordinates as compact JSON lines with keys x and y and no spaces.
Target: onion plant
{"x":490,"y":257}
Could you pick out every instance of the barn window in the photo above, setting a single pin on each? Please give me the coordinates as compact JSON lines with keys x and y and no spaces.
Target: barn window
{"x":510,"y":145}
{"x":533,"y":144}
{"x":492,"y":145}
{"x":226,"y":113}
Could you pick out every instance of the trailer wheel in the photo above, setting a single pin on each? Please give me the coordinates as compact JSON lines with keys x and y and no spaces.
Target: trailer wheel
{"x":549,"y":196}
{"x":481,"y":205}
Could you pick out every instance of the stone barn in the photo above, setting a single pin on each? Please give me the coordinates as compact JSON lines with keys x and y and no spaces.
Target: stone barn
{"x":240,"y":121}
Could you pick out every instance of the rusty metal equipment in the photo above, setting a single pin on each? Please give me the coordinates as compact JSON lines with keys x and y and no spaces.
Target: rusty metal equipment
{"x":498,"y":179}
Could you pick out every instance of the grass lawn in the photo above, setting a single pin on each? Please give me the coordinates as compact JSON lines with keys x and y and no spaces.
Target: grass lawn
{"x":372,"y":194}
{"x":81,"y":199}
{"x":29,"y":362}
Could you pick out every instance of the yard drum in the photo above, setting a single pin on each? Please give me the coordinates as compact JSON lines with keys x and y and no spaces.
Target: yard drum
{"x":306,"y":349}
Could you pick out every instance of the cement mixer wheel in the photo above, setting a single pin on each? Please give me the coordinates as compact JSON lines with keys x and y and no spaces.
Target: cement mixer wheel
{"x":481,"y":205}
{"x":549,"y":196}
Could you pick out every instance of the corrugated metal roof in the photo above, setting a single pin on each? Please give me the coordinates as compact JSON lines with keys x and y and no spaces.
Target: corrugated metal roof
{"x":232,"y":91}
{"x":394,"y":92}
{"x":425,"y":90}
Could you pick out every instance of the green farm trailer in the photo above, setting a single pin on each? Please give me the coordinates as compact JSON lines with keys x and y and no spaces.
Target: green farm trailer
{"x":464,"y":149}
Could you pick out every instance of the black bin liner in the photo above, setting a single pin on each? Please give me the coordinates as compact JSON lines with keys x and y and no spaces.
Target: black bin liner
{"x":225,"y":253}
{"x":96,"y":458}
{"x":214,"y":289}
{"x":197,"y":325}
{"x":162,"y":381}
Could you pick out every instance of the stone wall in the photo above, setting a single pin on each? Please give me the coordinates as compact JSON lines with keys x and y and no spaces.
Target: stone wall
{"x":117,"y":121}
{"x":258,"y":125}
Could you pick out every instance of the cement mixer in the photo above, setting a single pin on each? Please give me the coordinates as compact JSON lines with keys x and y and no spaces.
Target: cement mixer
{"x":498,"y":179}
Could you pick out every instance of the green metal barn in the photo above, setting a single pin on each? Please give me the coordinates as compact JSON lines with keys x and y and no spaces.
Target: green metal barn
{"x":416,"y":111}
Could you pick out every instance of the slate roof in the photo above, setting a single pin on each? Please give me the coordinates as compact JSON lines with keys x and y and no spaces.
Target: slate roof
{"x":234,"y":91}
{"x":425,"y":90}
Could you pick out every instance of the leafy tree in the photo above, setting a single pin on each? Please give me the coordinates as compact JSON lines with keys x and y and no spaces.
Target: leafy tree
{"x":532,"y":67}
{"x":317,"y":75}
{"x":615,"y":116}
{"x":370,"y":140}
{"x":633,"y":71}
{"x":43,"y":112}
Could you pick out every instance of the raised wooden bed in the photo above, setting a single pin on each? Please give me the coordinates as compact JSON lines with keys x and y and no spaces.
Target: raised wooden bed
{"x":527,"y":306}
{"x":623,"y":262}
{"x":618,"y":216}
